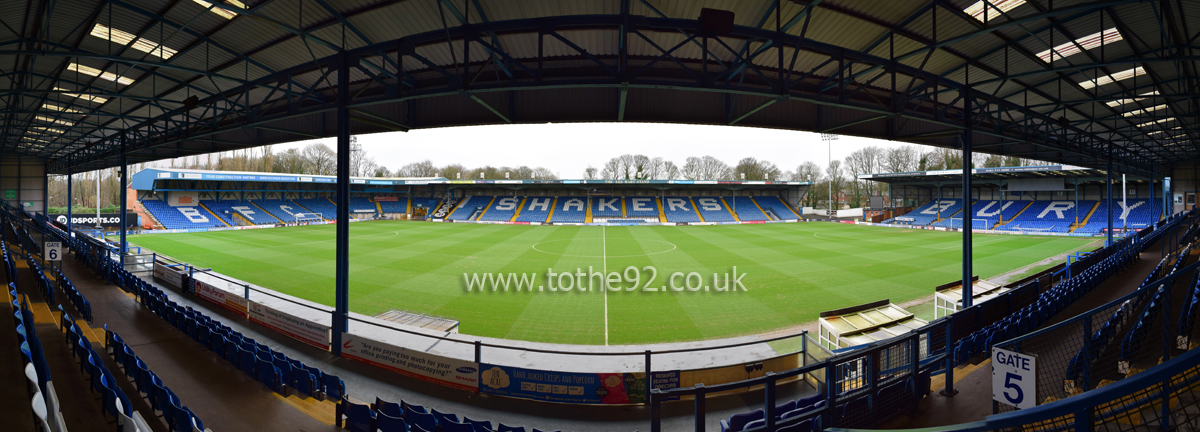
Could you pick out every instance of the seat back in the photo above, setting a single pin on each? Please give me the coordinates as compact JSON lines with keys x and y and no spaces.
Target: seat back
{"x":390,"y":408}
{"x":387,"y":423}
{"x":359,"y":417}
{"x":420,"y":419}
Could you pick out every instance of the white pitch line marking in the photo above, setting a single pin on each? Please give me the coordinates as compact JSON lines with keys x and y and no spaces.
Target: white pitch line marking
{"x":604,"y":253}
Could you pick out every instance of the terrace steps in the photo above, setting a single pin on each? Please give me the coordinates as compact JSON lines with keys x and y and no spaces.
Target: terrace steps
{"x":265,"y":211}
{"x":623,"y":214}
{"x":517,"y":213}
{"x":696,"y":209}
{"x":1086,"y":218}
{"x":553,"y":204}
{"x":213,"y":213}
{"x":587,"y":211}
{"x":486,"y":208}
{"x":764,"y":213}
{"x":378,"y":208}
{"x":730,"y":209}
{"x":662,"y":214}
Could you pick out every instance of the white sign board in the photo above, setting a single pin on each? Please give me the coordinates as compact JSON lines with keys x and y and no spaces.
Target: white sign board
{"x":455,"y":373}
{"x":304,"y":330}
{"x":1014,"y":378}
{"x":53,"y":251}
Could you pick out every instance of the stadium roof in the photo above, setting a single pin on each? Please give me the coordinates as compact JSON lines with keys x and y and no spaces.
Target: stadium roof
{"x":149,"y":178}
{"x":999,"y":173}
{"x":1081,"y":82}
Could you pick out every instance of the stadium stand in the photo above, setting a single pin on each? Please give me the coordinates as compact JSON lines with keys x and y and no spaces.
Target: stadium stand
{"x":227,"y":209}
{"x":680,"y":209}
{"x":570,"y":210}
{"x":985,"y":214}
{"x":641,"y":207}
{"x":776,"y":206}
{"x":283,"y":210}
{"x":746,"y":209}
{"x":502,"y":209}
{"x":398,"y":206}
{"x":181,"y":217}
{"x":322,"y":206}
{"x":607,"y":207}
{"x":929,"y":212}
{"x":468,"y":208}
{"x":361,"y":205}
{"x":1141,"y":213}
{"x":713,"y":209}
{"x":1049,"y":216}
{"x":536,"y":209}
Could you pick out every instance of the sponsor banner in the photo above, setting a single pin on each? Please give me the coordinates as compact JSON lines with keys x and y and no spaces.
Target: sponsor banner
{"x":753,"y":222}
{"x":437,"y":220}
{"x":905,"y":219}
{"x":847,"y":222}
{"x":364,"y":211}
{"x":221,"y":297}
{"x":168,"y":275}
{"x":459,"y":374}
{"x":570,"y":387}
{"x":106,"y":219}
{"x":298,"y":328}
{"x":387,"y":199}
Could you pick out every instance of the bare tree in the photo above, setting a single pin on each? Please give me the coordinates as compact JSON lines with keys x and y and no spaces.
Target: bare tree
{"x":807,"y":171}
{"x":319,"y":159}
{"x":544,"y":174}
{"x":754,"y":169}
{"x":590,"y":173}
{"x":670,"y":171}
{"x":705,"y":168}
{"x":901,"y":159}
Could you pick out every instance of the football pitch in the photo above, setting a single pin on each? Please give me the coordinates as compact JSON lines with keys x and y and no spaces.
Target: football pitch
{"x":790,"y":272}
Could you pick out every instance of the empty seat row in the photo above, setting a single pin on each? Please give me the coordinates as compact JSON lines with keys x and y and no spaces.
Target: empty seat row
{"x":161,"y":398}
{"x":271,"y":368}
{"x":784,"y":415}
{"x":39,"y":387}
{"x":385,"y":416}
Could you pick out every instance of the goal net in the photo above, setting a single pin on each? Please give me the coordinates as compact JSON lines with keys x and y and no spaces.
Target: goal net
{"x":308,"y":217}
{"x":976,"y":223}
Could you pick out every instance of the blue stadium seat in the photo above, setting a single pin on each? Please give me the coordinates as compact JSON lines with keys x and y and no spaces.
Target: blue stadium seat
{"x":738,"y":421}
{"x":746,"y":208}
{"x":642,"y":207}
{"x":390,"y":408}
{"x":1049,"y":217}
{"x":776,"y":206}
{"x":359,"y":417}
{"x":387,"y":423}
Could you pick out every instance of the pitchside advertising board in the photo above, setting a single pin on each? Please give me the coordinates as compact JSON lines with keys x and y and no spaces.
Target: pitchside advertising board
{"x":571,"y":387}
{"x":295,"y":327}
{"x":1014,"y":378}
{"x":106,"y":219}
{"x":459,"y":374}
{"x":169,"y":275}
{"x":221,"y":297}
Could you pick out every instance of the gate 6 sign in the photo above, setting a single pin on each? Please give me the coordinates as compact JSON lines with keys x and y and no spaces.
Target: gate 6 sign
{"x":1014,"y":378}
{"x":53,"y":251}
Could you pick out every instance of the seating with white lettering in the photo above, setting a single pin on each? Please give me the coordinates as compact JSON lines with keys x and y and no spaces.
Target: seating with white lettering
{"x":1049,"y":216}
{"x":928,"y":212}
{"x":679,"y":209}
{"x":776,"y":206}
{"x":502,"y":209}
{"x":641,"y":207}
{"x":248,"y":211}
{"x":535,"y":209}
{"x":570,"y":209}
{"x":1132,"y":214}
{"x":181,"y":217}
{"x":713,"y":209}
{"x":607,"y":207}
{"x":322,"y":207}
{"x":468,"y":208}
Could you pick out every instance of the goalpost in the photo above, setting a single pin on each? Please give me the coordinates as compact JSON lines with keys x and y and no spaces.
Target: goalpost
{"x":309,"y":217}
{"x":977,"y":223}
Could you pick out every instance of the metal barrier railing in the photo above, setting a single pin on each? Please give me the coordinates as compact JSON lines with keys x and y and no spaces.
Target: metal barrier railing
{"x":1111,"y":342}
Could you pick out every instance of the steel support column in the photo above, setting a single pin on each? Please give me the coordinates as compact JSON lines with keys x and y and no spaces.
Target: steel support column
{"x":1108,"y":238}
{"x":966,"y":187}
{"x":70,"y":204}
{"x":121,"y":205}
{"x":341,"y":311}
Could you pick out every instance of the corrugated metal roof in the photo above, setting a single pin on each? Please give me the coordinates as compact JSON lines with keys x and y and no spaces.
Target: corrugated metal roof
{"x":220,"y":55}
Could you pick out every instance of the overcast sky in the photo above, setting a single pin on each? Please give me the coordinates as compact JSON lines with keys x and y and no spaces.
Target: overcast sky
{"x":568,"y":148}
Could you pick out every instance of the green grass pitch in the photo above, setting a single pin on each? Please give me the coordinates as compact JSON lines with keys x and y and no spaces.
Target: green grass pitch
{"x":792,"y":272}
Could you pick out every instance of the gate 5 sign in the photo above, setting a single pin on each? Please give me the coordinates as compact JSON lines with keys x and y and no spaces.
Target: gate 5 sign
{"x":53,"y":251}
{"x":1014,"y":378}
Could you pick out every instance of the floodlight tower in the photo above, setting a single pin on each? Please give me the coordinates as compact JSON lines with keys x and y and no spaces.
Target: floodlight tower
{"x":829,"y":139}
